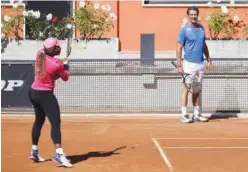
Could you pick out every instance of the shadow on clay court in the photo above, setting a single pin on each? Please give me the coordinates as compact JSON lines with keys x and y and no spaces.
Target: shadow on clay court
{"x":79,"y":158}
{"x":224,"y":115}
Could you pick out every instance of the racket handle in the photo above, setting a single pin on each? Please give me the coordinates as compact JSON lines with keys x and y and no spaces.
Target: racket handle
{"x":174,"y":64}
{"x":68,"y":52}
{"x":66,"y":61}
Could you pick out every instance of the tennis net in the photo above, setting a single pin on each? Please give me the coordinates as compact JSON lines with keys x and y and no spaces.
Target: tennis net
{"x":126,"y":85}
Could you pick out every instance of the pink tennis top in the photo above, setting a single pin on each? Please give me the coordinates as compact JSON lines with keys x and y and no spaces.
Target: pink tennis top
{"x":53,"y":70}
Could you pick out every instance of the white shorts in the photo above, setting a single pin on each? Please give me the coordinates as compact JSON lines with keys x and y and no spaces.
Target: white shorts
{"x":197,"y":69}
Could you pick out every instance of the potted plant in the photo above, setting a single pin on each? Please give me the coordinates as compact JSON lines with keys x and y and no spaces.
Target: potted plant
{"x":11,"y":27}
{"x":245,"y":31}
{"x":37,"y":26}
{"x":225,"y":29}
{"x":92,"y":21}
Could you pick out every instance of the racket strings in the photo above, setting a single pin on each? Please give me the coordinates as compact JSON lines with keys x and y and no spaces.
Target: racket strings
{"x":191,"y":81}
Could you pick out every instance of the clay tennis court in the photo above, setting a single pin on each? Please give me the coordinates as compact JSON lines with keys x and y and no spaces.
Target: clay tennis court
{"x":131,"y":145}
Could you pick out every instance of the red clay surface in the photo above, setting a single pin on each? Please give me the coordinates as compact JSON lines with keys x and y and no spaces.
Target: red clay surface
{"x":105,"y":145}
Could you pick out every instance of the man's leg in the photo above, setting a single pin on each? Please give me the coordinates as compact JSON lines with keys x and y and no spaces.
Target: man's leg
{"x":196,"y":98}
{"x":197,"y":112}
{"x":184,"y":99}
{"x":184,"y":94}
{"x":184,"y":102}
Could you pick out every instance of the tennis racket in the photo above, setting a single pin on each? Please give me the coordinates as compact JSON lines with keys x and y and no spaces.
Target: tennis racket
{"x":68,"y":49}
{"x":190,"y":81}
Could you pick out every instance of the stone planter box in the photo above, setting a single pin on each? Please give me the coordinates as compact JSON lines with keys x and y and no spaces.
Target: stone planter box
{"x":236,"y":48}
{"x":98,"y":48}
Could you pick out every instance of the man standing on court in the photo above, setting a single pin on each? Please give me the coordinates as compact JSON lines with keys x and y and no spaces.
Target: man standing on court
{"x":192,"y":39}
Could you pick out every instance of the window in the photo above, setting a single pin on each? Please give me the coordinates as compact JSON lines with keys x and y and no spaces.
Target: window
{"x":189,"y":2}
{"x":57,"y":8}
{"x":5,"y":2}
{"x":8,"y":3}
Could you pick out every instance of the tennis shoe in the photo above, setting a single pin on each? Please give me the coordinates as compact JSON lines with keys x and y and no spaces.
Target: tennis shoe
{"x":200,"y":118}
{"x":186,"y":119}
{"x":61,"y":159}
{"x":35,"y":156}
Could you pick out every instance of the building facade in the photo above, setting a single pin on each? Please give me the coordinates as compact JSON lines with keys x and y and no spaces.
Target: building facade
{"x":161,"y":17}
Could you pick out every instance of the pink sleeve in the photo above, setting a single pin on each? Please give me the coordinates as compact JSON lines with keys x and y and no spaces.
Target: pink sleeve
{"x":63,"y":74}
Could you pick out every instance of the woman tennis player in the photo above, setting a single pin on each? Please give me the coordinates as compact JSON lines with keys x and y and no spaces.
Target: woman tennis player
{"x":47,"y":70}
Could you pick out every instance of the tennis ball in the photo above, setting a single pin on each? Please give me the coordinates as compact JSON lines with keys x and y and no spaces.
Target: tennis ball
{"x":208,"y":66}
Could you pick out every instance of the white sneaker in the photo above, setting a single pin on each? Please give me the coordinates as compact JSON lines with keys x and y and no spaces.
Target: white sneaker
{"x":61,"y":159}
{"x":200,"y":118}
{"x":186,"y":119}
{"x":35,"y":156}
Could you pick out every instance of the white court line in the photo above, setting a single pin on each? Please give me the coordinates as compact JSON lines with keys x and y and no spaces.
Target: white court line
{"x":134,"y":115}
{"x":63,"y":121}
{"x":205,"y":147}
{"x":217,"y":138}
{"x":162,"y":153}
{"x":98,"y":116}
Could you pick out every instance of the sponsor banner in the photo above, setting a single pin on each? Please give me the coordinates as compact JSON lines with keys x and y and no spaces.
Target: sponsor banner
{"x":16,"y":80}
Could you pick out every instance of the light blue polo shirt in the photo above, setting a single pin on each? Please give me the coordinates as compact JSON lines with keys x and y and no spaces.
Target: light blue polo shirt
{"x":192,"y":37}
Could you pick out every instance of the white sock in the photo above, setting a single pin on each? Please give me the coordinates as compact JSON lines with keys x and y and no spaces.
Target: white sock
{"x":35,"y":147}
{"x":196,"y":110}
{"x":59,"y":151}
{"x":184,"y":110}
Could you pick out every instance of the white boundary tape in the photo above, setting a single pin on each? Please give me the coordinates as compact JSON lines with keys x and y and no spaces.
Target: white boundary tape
{"x":124,"y":115}
{"x":207,"y":138}
{"x":98,"y":115}
{"x":205,"y":147}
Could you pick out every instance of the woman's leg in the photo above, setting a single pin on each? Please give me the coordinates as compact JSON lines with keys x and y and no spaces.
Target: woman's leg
{"x":37,"y":126}
{"x":35,"y":98}
{"x":52,"y":110}
{"x":38,"y":123}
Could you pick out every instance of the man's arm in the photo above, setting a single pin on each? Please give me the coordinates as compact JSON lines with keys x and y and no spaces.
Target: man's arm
{"x":179,"y":54}
{"x":206,"y":52}
{"x":180,"y":44}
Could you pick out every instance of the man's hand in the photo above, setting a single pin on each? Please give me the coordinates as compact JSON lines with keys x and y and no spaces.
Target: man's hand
{"x":209,"y":66}
{"x":180,"y":70}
